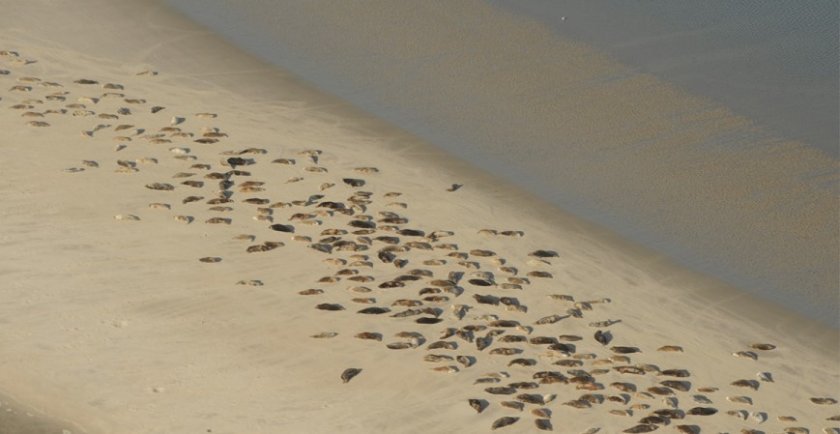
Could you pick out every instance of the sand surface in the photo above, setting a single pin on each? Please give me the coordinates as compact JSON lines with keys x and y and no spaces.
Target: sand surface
{"x":120,"y":316}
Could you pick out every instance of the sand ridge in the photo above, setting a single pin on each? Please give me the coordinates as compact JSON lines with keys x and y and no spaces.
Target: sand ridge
{"x":369,"y":269}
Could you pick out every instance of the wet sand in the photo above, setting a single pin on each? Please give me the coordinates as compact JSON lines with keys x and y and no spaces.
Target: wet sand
{"x":16,"y":420}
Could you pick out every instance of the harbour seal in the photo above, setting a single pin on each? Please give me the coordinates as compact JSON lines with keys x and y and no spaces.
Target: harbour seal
{"x":543,"y":424}
{"x":478,"y":404}
{"x":349,"y":373}
{"x":503,"y":422}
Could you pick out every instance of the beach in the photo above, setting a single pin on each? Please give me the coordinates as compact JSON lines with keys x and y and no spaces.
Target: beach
{"x":195,"y":240}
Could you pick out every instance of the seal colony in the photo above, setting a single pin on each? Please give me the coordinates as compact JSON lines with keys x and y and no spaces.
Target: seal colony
{"x":529,"y":349}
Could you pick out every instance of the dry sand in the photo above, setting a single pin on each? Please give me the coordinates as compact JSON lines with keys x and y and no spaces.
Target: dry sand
{"x":111,"y":323}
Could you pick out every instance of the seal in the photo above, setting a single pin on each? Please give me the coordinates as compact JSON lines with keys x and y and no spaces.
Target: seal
{"x":541,"y":412}
{"x":467,"y":361}
{"x":400,"y":345}
{"x":824,"y":400}
{"x":506,"y":351}
{"x":543,"y":424}
{"x":602,"y":337}
{"x":531,"y":398}
{"x":516,"y":405}
{"x":353,"y":182}
{"x":752,"y":384}
{"x":503,"y":422}
{"x":641,"y":428}
{"x":324,"y":335}
{"x":374,"y":310}
{"x":478,"y":404}
{"x":542,"y":340}
{"x":443,"y":345}
{"x":746,"y":354}
{"x":702,"y":411}
{"x":662,"y":391}
{"x":369,"y":336}
{"x":500,"y":390}
{"x":551,"y":319}
{"x":522,"y":362}
{"x":160,"y":186}
{"x":680,"y":373}
{"x":282,"y":228}
{"x":349,"y":373}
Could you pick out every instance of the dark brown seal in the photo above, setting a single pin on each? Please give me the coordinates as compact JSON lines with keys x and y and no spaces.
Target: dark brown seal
{"x":349,"y":373}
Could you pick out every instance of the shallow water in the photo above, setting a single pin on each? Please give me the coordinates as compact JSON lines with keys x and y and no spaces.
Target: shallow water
{"x":774,"y":62}
{"x":720,"y":188}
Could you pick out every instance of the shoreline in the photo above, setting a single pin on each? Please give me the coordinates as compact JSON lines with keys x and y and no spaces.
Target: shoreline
{"x":17,"y":419}
{"x":592,"y":135}
{"x":258,"y":95}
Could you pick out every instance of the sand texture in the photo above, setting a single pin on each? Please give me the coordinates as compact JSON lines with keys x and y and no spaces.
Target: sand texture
{"x":193,"y":242}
